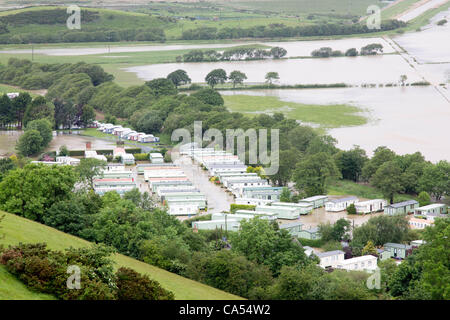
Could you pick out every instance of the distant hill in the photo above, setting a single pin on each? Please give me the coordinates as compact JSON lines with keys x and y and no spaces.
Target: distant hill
{"x":17,"y":229}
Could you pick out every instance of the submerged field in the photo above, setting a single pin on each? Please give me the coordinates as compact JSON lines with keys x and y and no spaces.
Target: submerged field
{"x":326,"y":116}
{"x":16,"y":229}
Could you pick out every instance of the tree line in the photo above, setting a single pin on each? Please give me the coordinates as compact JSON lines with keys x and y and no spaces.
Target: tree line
{"x":234,"y":54}
{"x":368,"y":50}
{"x":281,"y":30}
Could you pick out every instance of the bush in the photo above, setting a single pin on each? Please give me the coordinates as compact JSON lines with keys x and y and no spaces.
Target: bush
{"x":234,"y":207}
{"x":133,"y":286}
{"x":141,"y":156}
{"x":76,"y":153}
{"x":351,"y":209}
{"x":311,"y":243}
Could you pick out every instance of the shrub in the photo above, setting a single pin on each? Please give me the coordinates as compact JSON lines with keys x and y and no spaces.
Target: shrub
{"x":141,"y":156}
{"x":351,"y":209}
{"x":234,"y":207}
{"x":133,"y":286}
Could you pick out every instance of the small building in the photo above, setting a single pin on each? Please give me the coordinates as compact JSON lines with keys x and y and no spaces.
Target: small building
{"x":281,"y":212}
{"x":397,"y":250}
{"x":127,"y":158}
{"x":366,"y":263}
{"x":93,"y":154}
{"x":293,"y":228}
{"x":383,"y":254}
{"x":418,"y":223}
{"x":404,"y":207}
{"x":330,"y":258}
{"x":303,"y":208}
{"x":156,"y":157}
{"x":311,"y":234}
{"x":316,"y":201}
{"x":68,"y":161}
{"x":252,"y":201}
{"x":336,"y":205}
{"x":439,"y":208}
{"x":147,"y":138}
{"x":229,"y":225}
{"x":370,"y":206}
{"x":177,"y":207}
{"x":417,"y":243}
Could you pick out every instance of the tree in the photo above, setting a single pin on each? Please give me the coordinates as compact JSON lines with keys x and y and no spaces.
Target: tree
{"x":285,"y":195}
{"x":351,"y":209}
{"x":237,"y":77}
{"x":372,"y":49}
{"x":278,"y":52}
{"x":65,"y":113}
{"x":314,"y":173}
{"x":31,"y":191}
{"x":287,"y":162}
{"x":88,"y":169}
{"x":87,"y":115}
{"x":424,"y":199}
{"x":67,"y":215}
{"x":162,"y":87}
{"x":403,"y":79}
{"x":380,"y":230}
{"x":436,"y":179}
{"x":179,"y":77}
{"x":6,"y":110}
{"x":387,"y":180}
{"x":29,"y":143}
{"x":209,"y":96}
{"x":215,"y":77}
{"x":352,"y":52}
{"x":20,"y":104}
{"x":6,"y":165}
{"x":44,"y":127}
{"x":39,"y":108}
{"x":380,"y":156}
{"x":369,"y":249}
{"x":351,"y":162}
{"x":271,"y":76}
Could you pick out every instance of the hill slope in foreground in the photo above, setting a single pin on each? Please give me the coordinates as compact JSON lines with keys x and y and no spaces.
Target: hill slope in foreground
{"x":15,"y":229}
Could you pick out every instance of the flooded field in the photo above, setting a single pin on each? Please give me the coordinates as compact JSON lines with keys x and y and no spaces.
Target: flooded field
{"x":406,"y":119}
{"x":73,"y":141}
{"x":355,"y":70}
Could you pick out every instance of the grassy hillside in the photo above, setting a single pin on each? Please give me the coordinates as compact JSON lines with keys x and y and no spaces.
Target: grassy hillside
{"x":16,"y":229}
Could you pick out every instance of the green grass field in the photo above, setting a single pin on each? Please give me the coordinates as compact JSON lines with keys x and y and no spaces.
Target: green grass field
{"x":16,"y":229}
{"x":327,"y":116}
{"x":347,"y":187}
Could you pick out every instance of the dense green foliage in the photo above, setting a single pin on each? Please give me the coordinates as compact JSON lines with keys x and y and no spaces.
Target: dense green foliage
{"x":46,"y":271}
{"x":281,"y":30}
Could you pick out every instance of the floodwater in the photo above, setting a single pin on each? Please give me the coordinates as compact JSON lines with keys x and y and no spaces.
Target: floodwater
{"x":218,"y":199}
{"x":432,"y":45}
{"x":405,"y":119}
{"x":380,"y":69}
{"x":420,"y":9}
{"x":294,"y":48}
{"x":73,"y":141}
{"x":319,"y":216}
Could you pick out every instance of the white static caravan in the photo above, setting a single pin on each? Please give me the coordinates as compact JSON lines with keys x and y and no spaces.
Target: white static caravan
{"x":232,"y":216}
{"x":183,"y":207}
{"x":281,"y":212}
{"x":252,"y":201}
{"x":336,"y":205}
{"x":94,"y":155}
{"x":115,"y":167}
{"x":156,"y":157}
{"x":180,"y":188}
{"x":229,"y":225}
{"x":68,"y":160}
{"x":366,"y":263}
{"x":330,"y":258}
{"x":225,"y":175}
{"x":147,"y":138}
{"x":316,"y":201}
{"x":127,"y":158}
{"x":370,"y":206}
{"x":236,"y":186}
{"x":262,"y":214}
{"x":169,"y":173}
{"x":226,"y":167}
{"x":303,"y":208}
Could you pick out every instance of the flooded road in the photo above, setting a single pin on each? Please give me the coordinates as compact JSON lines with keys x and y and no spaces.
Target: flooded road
{"x":218,"y":199}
